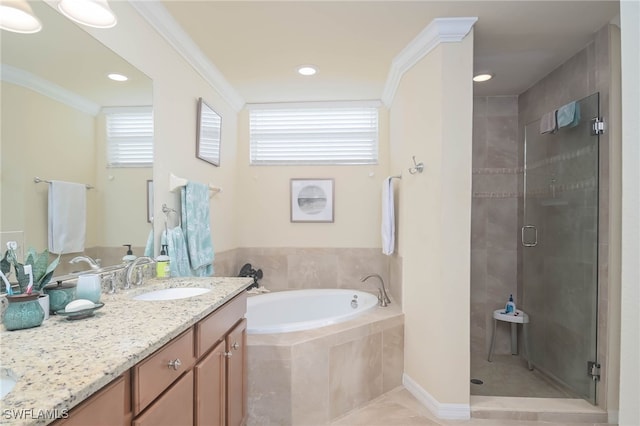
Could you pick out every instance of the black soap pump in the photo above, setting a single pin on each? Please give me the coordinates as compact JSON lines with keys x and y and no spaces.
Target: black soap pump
{"x":129,"y":257}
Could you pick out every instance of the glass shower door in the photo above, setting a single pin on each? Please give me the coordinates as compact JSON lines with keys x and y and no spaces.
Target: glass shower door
{"x":560,"y":249}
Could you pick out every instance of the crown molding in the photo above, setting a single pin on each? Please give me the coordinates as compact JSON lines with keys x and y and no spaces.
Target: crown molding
{"x":31,"y":81}
{"x":162,"y":21}
{"x":440,"y":30}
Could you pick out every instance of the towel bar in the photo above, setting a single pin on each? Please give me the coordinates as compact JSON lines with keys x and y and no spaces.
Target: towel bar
{"x":38,"y":180}
{"x":176,"y":182}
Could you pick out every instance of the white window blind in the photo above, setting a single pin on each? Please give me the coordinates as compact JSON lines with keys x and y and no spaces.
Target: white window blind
{"x":129,"y":136}
{"x":299,"y":134}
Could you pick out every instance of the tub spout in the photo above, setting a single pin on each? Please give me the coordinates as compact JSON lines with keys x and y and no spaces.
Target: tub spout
{"x":382,"y":292}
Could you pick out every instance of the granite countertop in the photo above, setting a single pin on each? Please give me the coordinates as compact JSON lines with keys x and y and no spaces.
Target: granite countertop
{"x":62,"y":362}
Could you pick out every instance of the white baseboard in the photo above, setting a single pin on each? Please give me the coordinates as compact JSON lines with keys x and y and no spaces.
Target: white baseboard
{"x":440,"y":410}
{"x":612,"y":417}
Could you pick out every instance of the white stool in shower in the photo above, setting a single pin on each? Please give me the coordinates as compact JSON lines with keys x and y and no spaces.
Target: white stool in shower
{"x":518,"y":318}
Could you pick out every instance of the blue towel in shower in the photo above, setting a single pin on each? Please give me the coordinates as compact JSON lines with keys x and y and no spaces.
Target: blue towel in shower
{"x":196,"y":227}
{"x":568,"y":115}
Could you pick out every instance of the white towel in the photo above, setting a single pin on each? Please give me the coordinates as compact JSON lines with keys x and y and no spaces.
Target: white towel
{"x":548,"y":123}
{"x":388,"y":226}
{"x":67,"y":217}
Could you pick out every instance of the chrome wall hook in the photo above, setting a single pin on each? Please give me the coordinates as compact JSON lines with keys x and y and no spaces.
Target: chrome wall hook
{"x":417,"y":167}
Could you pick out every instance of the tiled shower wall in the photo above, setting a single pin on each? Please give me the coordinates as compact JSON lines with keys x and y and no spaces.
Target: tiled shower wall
{"x":494,"y":211}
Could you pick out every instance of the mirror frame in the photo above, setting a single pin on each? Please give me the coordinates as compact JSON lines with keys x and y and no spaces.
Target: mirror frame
{"x":203,"y":126}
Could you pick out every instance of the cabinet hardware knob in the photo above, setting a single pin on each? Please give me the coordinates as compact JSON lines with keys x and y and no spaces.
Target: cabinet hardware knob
{"x":175,"y":364}
{"x":235,"y":346}
{"x":228,"y":354}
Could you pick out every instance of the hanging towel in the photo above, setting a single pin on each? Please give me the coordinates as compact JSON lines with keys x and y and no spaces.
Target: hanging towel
{"x":67,"y":217}
{"x":196,"y":227}
{"x":388,"y":226}
{"x":548,"y":123}
{"x":177,"y":252}
{"x":148,"y":248}
{"x":569,"y":115}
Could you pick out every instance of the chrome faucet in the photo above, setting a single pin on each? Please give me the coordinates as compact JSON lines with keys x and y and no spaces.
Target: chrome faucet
{"x":382,"y":293}
{"x":131,"y":269}
{"x":94,"y":264}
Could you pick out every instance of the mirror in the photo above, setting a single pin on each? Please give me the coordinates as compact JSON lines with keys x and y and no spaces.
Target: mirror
{"x":54,"y":89}
{"x":208,"y":134}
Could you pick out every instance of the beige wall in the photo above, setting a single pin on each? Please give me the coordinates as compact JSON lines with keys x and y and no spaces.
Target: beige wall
{"x":47,"y":150}
{"x":630,"y":293}
{"x":431,"y":118}
{"x":176,"y":89}
{"x":264,"y":200}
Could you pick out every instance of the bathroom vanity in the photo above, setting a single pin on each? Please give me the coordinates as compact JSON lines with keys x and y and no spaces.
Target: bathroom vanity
{"x":173,"y":362}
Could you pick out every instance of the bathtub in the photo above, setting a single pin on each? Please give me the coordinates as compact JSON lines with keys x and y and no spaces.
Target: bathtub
{"x":296,"y":310}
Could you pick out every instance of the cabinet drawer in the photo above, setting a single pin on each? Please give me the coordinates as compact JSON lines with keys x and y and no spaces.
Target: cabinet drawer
{"x":153,"y":375}
{"x":213,"y":328}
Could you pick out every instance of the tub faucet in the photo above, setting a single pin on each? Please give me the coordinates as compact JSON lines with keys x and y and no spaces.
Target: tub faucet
{"x":94,"y":264}
{"x":382,"y":293}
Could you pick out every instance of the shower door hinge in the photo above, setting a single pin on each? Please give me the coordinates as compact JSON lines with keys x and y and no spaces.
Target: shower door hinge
{"x":597,"y":126}
{"x":593,"y":369}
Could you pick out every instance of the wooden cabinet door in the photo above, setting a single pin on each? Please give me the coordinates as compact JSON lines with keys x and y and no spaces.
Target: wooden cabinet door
{"x":107,"y":407}
{"x":237,"y":375}
{"x":211,"y":388}
{"x":173,"y":408}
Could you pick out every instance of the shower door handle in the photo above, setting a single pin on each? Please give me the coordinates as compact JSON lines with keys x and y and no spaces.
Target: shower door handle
{"x":535,"y":234}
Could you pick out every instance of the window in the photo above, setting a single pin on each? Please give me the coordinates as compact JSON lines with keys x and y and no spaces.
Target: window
{"x":129,"y":136}
{"x":317,"y":133}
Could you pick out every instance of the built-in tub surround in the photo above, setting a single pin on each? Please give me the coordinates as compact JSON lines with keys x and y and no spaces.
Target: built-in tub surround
{"x":314,"y":376}
{"x":62,"y":362}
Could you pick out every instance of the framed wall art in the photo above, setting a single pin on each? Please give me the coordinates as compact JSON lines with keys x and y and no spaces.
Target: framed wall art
{"x":312,"y":200}
{"x":208,"y":134}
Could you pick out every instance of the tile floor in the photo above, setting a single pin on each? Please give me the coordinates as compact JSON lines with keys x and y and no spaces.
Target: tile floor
{"x":399,"y":408}
{"x":508,"y":375}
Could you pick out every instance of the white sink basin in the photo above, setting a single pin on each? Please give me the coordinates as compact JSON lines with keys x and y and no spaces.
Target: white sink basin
{"x":7,"y":382}
{"x":172,"y":293}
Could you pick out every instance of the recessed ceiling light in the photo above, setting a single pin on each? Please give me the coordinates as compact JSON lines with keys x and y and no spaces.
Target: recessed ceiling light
{"x":118,"y":77}
{"x":307,"y":70}
{"x":483,"y":77}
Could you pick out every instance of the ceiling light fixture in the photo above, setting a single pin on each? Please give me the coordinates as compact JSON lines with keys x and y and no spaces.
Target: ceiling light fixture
{"x":17,"y":16}
{"x":93,"y":13}
{"x":307,"y":70}
{"x":485,"y":76}
{"x":117,"y":77}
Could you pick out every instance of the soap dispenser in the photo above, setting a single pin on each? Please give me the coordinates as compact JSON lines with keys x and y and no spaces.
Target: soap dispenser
{"x":163,"y":269}
{"x":510,"y":307}
{"x":129,"y":257}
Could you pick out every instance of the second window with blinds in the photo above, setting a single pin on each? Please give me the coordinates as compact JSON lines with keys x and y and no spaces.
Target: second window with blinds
{"x":313,"y":133}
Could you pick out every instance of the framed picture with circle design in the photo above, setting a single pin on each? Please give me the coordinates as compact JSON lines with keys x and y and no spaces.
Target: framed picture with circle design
{"x":312,"y":200}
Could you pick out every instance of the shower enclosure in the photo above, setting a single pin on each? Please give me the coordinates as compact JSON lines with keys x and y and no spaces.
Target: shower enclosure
{"x":560,"y":249}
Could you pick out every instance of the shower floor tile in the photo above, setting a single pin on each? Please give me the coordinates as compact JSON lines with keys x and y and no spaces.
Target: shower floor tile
{"x":508,"y":375}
